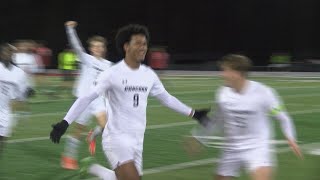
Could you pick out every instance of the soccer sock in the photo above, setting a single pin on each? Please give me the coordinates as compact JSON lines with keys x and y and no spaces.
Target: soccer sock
{"x":102,"y":172}
{"x":71,"y":147}
{"x":96,"y":132}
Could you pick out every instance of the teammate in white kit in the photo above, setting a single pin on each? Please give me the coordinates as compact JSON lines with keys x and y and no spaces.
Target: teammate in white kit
{"x":127,"y":85}
{"x":91,"y":66}
{"x":13,"y":87}
{"x":242,"y":112}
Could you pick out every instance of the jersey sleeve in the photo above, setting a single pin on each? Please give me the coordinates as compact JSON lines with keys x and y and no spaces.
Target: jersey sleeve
{"x":277,"y":110}
{"x":273,"y":101}
{"x":157,"y":87}
{"x":76,"y":44}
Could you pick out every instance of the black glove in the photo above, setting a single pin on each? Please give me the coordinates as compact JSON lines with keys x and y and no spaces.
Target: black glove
{"x":201,"y":116}
{"x":29,"y":92}
{"x":58,"y":130}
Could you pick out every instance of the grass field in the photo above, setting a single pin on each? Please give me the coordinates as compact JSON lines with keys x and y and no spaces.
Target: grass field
{"x":29,"y":155}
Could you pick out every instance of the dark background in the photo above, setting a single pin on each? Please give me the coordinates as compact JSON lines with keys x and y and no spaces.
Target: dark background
{"x":193,"y":31}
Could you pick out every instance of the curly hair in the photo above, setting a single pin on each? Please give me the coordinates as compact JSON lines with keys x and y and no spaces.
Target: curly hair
{"x":125,"y":34}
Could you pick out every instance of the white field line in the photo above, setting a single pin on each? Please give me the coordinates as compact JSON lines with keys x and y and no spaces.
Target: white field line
{"x":159,"y":126}
{"x":185,"y":100}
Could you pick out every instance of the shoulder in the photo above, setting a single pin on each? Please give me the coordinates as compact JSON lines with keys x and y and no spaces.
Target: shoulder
{"x":107,"y":62}
{"x":148,"y":69}
{"x":221,"y":91}
{"x":150,"y":72}
{"x":262,"y":88}
{"x":112,"y":69}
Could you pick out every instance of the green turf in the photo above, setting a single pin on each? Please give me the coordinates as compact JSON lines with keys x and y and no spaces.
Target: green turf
{"x":40,"y":159}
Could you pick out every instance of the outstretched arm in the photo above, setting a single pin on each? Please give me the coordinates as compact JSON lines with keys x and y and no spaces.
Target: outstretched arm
{"x":76,"y":109}
{"x":173,"y":103}
{"x":74,"y":39}
{"x":102,"y":85}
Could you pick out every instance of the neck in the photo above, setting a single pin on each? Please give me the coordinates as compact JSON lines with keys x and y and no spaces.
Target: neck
{"x":240,"y":85}
{"x":131,"y":63}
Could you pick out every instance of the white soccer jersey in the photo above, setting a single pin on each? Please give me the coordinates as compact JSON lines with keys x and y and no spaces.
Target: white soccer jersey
{"x":128,"y":91}
{"x":245,"y":115}
{"x":91,"y":67}
{"x":12,"y":86}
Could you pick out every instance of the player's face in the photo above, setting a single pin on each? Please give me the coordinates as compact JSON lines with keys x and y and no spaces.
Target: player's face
{"x":230,"y":76}
{"x":137,"y":48}
{"x":97,"y":49}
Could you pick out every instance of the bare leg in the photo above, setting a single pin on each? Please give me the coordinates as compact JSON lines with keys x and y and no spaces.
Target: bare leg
{"x":127,"y":171}
{"x":262,"y":173}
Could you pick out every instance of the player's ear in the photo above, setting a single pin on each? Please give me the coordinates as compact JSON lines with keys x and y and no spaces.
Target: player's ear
{"x":126,"y":46}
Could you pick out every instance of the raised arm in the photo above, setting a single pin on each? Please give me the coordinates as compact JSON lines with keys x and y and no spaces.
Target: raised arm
{"x":74,"y":39}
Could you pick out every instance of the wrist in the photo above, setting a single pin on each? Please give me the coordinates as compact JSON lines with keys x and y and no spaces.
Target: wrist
{"x":192,"y":113}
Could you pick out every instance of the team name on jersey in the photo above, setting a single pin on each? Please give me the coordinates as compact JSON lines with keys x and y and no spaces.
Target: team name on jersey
{"x":135,"y":89}
{"x":241,"y":112}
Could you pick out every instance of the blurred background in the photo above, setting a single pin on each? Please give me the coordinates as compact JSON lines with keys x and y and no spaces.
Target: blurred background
{"x":194,"y":33}
{"x":187,"y":38}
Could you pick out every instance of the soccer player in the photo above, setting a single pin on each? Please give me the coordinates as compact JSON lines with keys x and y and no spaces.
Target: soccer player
{"x":127,"y":85}
{"x":12,"y":87}
{"x":91,"y":66}
{"x":242,"y":112}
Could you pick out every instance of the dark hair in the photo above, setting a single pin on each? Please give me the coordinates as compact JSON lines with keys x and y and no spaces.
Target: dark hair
{"x":3,"y":48}
{"x":97,"y":39}
{"x":6,"y":47}
{"x":125,"y":34}
{"x":236,"y":62}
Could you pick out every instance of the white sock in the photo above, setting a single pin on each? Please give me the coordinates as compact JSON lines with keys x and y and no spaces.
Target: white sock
{"x":102,"y":172}
{"x":96,"y":132}
{"x":71,"y":147}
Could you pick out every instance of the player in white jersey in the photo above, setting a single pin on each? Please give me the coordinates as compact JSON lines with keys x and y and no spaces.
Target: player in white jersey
{"x":242,"y":112}
{"x":91,"y":66}
{"x":127,"y":86}
{"x":12,"y":87}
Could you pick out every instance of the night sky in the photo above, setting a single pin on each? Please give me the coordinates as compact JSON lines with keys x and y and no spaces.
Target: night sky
{"x":254,"y":27}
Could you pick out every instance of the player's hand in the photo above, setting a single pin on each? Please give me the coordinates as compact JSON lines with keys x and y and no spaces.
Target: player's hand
{"x":58,"y":130}
{"x":71,"y":24}
{"x":295,"y":148}
{"x":30,"y":92}
{"x":201,"y":116}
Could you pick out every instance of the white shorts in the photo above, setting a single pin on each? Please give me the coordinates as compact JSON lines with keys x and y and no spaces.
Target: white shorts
{"x":230,"y":163}
{"x":96,"y":106}
{"x":122,"y":148}
{"x":6,"y":125}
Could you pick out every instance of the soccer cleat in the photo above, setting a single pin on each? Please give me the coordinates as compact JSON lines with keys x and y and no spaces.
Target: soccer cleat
{"x":85,"y":164}
{"x":92,"y":143}
{"x":69,"y":163}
